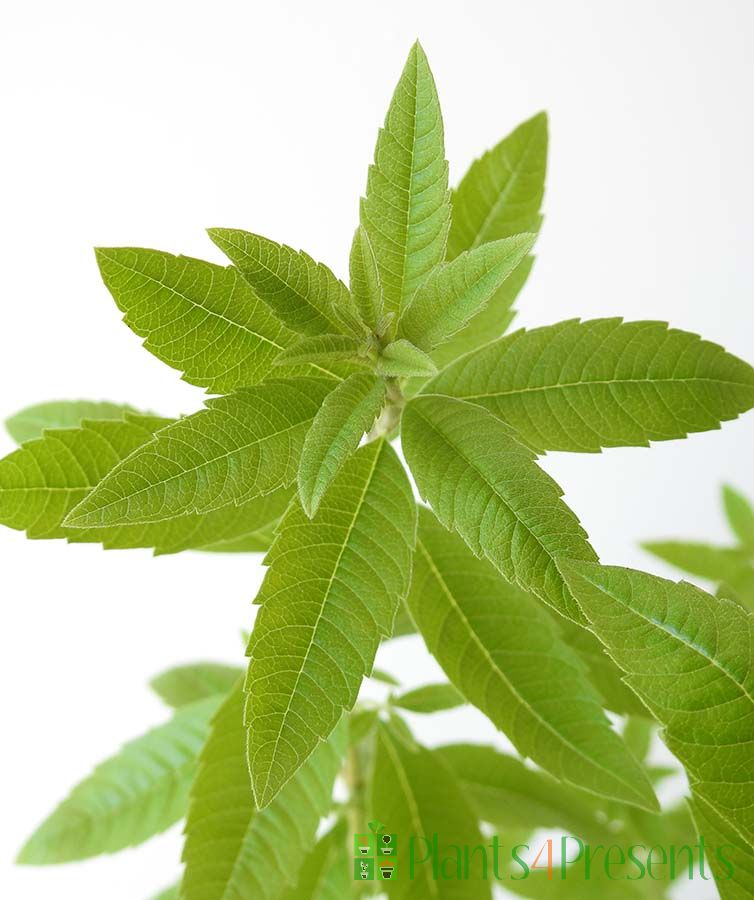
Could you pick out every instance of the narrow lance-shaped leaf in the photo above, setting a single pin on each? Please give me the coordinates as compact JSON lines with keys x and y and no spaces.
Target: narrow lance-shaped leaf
{"x":581,"y":386}
{"x":328,"y":598}
{"x":197,"y":317}
{"x":227,"y":852}
{"x":302,"y":293}
{"x":401,"y":359}
{"x":406,"y":210}
{"x":454,"y":293}
{"x":731,"y":861}
{"x":366,"y":287}
{"x":485,"y":485}
{"x":717,"y":564}
{"x":740,"y":514}
{"x":430,"y":698}
{"x":47,"y":477}
{"x":134,"y":795}
{"x":346,"y":414}
{"x":327,"y":872}
{"x":415,"y":793}
{"x":29,"y":423}
{"x":501,"y":650}
{"x":194,"y":681}
{"x":241,"y":446}
{"x":689,"y":657}
{"x":323,"y":348}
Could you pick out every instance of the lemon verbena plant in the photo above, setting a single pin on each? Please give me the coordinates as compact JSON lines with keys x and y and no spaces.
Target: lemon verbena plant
{"x":313,"y":382}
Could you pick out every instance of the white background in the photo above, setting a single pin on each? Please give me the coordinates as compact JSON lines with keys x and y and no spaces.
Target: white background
{"x":145,"y":122}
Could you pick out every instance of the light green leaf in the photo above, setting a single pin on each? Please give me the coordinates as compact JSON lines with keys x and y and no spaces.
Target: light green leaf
{"x":171,"y":893}
{"x":581,"y":386}
{"x":197,"y":317}
{"x":241,"y":446}
{"x":732,"y":862}
{"x":134,"y":795}
{"x":384,"y":677}
{"x":43,"y":480}
{"x":502,"y":192}
{"x":400,"y":359}
{"x":406,"y":210}
{"x":233,"y":850}
{"x":416,"y":793}
{"x":327,"y":872}
{"x":638,"y":734}
{"x":323,"y":348}
{"x":574,"y":885}
{"x":430,"y":698}
{"x":740,"y":515}
{"x":366,"y":288}
{"x":486,"y":486}
{"x":344,"y":417}
{"x":506,"y":793}
{"x":194,"y":681}
{"x":500,"y":649}
{"x":703,"y":560}
{"x":687,"y":655}
{"x":328,"y":598}
{"x":361,"y":723}
{"x":302,"y":293}
{"x":455,"y":292}
{"x":30,"y":423}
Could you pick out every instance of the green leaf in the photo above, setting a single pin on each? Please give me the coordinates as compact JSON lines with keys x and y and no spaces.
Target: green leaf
{"x":197,"y":317}
{"x":366,"y":288}
{"x":638,"y":734}
{"x":502,"y":192}
{"x":328,"y":598}
{"x":731,"y":862}
{"x":500,"y":649}
{"x":31,"y":422}
{"x":581,"y":386}
{"x":195,"y":681}
{"x":327,"y":872}
{"x":322,"y":348}
{"x":406,"y":210}
{"x":361,"y":723}
{"x":703,"y":560}
{"x":455,"y":292}
{"x":506,"y":793}
{"x":384,"y":677}
{"x":233,"y":850}
{"x":171,"y":893}
{"x":687,"y":655}
{"x":344,"y":417}
{"x":302,"y":293}
{"x":486,"y":486}
{"x":132,"y":796}
{"x":573,"y":883}
{"x":241,"y":446}
{"x":47,"y":477}
{"x":401,"y":359}
{"x":740,"y":515}
{"x":430,"y":698}
{"x":416,"y":793}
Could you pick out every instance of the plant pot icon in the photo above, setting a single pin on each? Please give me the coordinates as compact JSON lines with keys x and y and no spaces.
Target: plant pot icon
{"x":387,"y":844}
{"x":364,"y":850}
{"x":386,"y":871}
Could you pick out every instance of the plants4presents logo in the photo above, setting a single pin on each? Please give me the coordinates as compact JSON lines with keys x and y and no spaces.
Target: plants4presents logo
{"x":375,"y":854}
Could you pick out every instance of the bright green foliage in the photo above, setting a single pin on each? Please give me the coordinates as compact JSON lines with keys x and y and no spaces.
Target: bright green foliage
{"x":502,"y":192}
{"x":43,"y":480}
{"x":195,"y":681}
{"x":304,"y":294}
{"x":326,"y":871}
{"x":735,"y":875}
{"x":316,"y":379}
{"x":29,"y":423}
{"x":503,"y":653}
{"x":688,"y":657}
{"x":485,"y":485}
{"x":227,"y":851}
{"x":366,"y":287}
{"x":131,"y":797}
{"x":197,"y":317}
{"x":406,"y":210}
{"x":401,"y":359}
{"x":241,"y":446}
{"x":329,"y":596}
{"x":582,"y":386}
{"x":346,"y":414}
{"x":454,"y":293}
{"x":740,"y":515}
{"x":430,"y":698}
{"x":417,"y":793}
